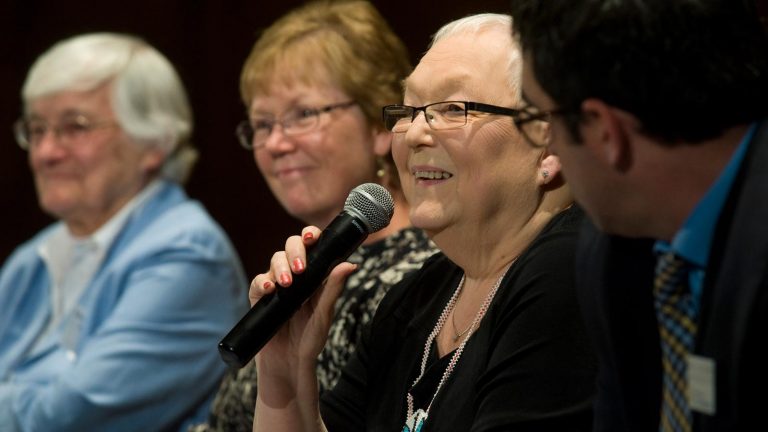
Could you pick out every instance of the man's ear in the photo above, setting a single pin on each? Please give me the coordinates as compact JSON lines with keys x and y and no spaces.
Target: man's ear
{"x":607,"y":131}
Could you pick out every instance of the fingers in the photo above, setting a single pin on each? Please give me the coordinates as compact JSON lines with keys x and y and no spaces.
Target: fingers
{"x":310,"y":235}
{"x":293,"y":260}
{"x":296,"y":250}
{"x":279,"y":274}
{"x":284,"y":264}
{"x":280,"y":268}
{"x":261,"y":285}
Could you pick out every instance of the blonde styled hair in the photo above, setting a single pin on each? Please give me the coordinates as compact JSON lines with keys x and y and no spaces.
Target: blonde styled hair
{"x":348,"y":40}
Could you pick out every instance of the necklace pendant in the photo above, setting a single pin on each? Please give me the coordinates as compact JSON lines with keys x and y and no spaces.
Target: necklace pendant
{"x":416,"y":421}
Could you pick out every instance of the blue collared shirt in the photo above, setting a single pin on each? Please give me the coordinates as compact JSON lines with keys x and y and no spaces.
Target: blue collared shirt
{"x":138,"y":350}
{"x":693,"y":242}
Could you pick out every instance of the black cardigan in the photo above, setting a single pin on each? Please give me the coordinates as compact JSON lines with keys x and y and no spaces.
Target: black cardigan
{"x":527,"y":367}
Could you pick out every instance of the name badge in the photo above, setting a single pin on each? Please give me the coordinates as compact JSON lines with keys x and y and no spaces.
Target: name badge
{"x":701,"y":384}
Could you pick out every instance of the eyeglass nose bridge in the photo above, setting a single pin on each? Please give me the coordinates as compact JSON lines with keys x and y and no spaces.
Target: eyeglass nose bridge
{"x":271,"y":132}
{"x":429,"y":118}
{"x":285,"y":125}
{"x":52,"y":134}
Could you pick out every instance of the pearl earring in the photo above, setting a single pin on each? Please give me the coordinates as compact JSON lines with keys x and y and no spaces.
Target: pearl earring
{"x":382,"y":167}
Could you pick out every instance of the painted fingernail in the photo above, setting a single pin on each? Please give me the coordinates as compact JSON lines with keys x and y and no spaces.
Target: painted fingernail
{"x":308,"y":236}
{"x":267,"y":285}
{"x":285,"y":279}
{"x":298,"y":265}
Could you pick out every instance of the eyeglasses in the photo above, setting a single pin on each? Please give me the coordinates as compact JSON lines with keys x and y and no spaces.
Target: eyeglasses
{"x":454,"y":114}
{"x":30,"y":132}
{"x":253,"y":134}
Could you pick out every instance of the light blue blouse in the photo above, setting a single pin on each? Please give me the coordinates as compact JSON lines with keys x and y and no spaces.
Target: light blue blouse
{"x":138,"y":352}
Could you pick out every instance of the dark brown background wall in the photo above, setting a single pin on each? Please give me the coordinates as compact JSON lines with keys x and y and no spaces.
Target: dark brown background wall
{"x":208,"y":41}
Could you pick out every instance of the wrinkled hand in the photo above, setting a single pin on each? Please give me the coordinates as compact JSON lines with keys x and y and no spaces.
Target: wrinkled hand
{"x":298,"y":343}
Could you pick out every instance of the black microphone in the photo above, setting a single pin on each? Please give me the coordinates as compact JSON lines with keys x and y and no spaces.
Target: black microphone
{"x":368,"y":209}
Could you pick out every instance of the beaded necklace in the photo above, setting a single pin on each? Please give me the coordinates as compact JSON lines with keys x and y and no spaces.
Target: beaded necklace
{"x":458,"y":334}
{"x":414,"y":421}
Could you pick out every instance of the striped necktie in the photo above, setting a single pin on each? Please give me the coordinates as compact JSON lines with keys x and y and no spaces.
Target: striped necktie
{"x":677,"y":328}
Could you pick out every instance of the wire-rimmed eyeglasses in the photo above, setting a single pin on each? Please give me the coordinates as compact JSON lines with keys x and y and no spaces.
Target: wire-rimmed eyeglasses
{"x":453,"y":114}
{"x":29,"y":132}
{"x":253,"y":134}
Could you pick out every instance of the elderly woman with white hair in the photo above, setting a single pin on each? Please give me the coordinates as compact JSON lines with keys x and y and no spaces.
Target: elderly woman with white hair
{"x":487,"y":334}
{"x":109,"y":317}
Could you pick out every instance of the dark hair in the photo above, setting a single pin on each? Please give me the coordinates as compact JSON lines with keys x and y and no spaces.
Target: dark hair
{"x":687,"y":69}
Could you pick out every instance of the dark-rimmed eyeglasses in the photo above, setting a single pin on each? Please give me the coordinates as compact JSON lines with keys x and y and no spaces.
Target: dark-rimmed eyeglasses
{"x":29,"y":132}
{"x":253,"y":134}
{"x":454,"y":114}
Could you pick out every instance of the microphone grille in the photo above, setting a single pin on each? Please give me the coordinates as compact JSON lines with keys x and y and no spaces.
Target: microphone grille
{"x":373,"y":204}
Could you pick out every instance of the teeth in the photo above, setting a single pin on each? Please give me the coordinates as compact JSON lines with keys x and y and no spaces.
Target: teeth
{"x":432,"y":175}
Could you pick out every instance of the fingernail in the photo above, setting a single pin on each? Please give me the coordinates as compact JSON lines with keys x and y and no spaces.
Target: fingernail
{"x":267,"y":285}
{"x":308,"y":236}
{"x":298,"y":265}
{"x":285,"y":279}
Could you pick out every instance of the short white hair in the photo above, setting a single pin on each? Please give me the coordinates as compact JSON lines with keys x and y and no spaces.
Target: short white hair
{"x":479,"y":23}
{"x":148,"y":98}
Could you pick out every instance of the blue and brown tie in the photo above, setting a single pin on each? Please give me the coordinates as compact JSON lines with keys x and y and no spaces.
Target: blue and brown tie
{"x":675,"y":313}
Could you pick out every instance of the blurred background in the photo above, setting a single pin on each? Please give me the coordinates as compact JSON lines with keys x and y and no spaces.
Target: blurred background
{"x":208,"y":41}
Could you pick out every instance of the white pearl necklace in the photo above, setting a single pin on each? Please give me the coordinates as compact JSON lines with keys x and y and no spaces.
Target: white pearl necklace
{"x":415,"y":420}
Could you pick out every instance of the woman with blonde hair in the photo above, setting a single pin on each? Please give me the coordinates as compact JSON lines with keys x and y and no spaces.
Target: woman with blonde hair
{"x":314,"y":85}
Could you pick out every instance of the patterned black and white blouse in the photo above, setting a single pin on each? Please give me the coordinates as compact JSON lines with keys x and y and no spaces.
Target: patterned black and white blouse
{"x":380,"y":265}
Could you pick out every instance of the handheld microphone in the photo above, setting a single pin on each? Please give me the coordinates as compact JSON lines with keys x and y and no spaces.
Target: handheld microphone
{"x":368,"y":209}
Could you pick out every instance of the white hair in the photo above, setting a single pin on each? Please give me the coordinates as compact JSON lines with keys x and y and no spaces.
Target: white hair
{"x":479,"y":23}
{"x":148,"y":98}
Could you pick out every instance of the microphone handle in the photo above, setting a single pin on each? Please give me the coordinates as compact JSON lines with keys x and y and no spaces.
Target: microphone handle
{"x":335,"y":244}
